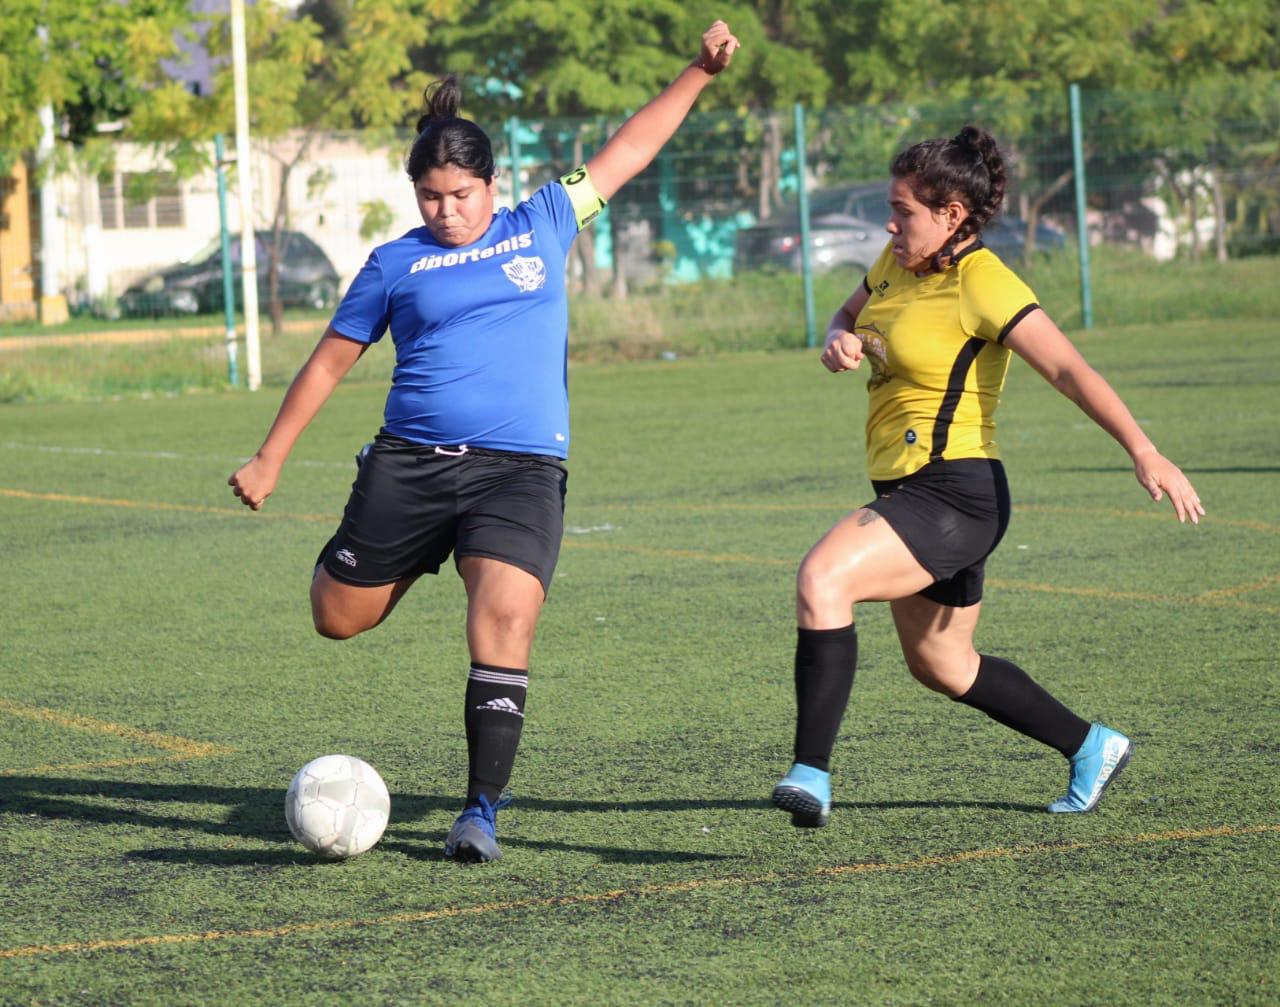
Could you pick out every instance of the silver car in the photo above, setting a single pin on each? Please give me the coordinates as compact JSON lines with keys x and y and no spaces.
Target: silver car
{"x":846,"y":228}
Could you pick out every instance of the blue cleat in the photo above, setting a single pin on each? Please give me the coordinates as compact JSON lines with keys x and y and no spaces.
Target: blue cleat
{"x":473,"y":837}
{"x":1094,"y":768}
{"x":805,"y":792}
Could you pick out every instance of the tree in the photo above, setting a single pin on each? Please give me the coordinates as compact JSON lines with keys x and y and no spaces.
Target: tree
{"x":1223,"y":60}
{"x":332,"y":65}
{"x":83,"y":73}
{"x":90,"y":70}
{"x":598,"y":60}
{"x":1008,"y":63}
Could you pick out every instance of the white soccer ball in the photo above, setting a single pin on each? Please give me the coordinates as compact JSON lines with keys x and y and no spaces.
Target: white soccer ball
{"x":337,"y":806}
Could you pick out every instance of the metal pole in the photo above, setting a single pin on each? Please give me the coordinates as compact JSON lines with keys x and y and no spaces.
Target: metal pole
{"x":53,"y":305}
{"x":1082,"y":228}
{"x":228,"y":289}
{"x":513,"y":142}
{"x":806,"y":265}
{"x":244,"y":176}
{"x":667,"y":232}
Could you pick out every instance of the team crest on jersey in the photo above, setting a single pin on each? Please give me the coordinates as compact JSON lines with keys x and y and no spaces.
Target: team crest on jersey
{"x":875,"y":347}
{"x":527,"y":273}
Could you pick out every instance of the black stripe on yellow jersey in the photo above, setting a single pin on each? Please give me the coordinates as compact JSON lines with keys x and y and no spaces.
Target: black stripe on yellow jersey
{"x":935,"y":345}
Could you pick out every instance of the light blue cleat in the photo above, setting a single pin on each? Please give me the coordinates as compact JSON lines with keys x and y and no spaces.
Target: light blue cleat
{"x":805,"y":792}
{"x":1094,"y":768}
{"x":474,"y":836}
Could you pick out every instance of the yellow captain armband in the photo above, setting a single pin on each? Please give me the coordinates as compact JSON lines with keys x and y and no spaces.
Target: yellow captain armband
{"x":587,"y":203}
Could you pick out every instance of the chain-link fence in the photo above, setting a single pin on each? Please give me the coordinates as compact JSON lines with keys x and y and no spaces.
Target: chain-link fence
{"x":1167,"y":175}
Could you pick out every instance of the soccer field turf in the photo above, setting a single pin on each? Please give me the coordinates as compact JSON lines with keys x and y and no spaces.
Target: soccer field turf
{"x":160,"y":683}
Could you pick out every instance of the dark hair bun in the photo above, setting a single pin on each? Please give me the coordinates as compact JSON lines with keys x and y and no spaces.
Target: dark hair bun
{"x":441,"y":100}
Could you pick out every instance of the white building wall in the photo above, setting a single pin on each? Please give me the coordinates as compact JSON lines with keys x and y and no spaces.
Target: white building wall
{"x":357,"y":175}
{"x":98,"y":262}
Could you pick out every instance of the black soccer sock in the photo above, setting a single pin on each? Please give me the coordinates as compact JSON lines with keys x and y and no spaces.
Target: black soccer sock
{"x":825,"y":663}
{"x":494,"y":717}
{"x":1008,"y":695}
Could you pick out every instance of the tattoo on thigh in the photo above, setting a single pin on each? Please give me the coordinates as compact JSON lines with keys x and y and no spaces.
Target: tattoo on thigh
{"x":868,"y":516}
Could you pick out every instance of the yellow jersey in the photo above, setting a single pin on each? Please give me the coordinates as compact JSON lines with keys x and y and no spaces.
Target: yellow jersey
{"x":938,"y":363}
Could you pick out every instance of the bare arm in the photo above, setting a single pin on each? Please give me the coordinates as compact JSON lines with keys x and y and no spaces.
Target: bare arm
{"x":328,"y":364}
{"x":639,"y":139}
{"x":1041,"y":344}
{"x":843,"y":349}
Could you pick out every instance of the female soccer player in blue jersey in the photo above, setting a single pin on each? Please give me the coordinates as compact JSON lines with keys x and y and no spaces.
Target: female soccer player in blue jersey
{"x":936,"y":319}
{"x":470,"y":457}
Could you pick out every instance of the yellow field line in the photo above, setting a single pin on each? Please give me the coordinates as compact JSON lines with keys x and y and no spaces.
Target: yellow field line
{"x":182,"y":748}
{"x":641,"y":891}
{"x":78,"y":767}
{"x":1210,"y":599}
{"x":1257,"y":585}
{"x":1215,"y":599}
{"x":1161,"y":513}
{"x":708,"y":557}
{"x":157,"y":505}
{"x":1224,"y":597}
{"x":138,"y":335}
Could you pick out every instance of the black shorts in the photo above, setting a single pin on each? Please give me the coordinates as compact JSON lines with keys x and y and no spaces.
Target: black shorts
{"x":413,"y":504}
{"x":951,"y":515}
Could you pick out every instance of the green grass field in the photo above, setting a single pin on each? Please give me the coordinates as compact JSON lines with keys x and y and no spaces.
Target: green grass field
{"x":160,"y":683}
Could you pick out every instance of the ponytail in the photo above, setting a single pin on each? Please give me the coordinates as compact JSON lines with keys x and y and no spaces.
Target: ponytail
{"x":445,"y":138}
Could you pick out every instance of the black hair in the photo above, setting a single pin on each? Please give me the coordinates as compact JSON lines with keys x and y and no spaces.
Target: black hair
{"x":968,"y":168}
{"x":445,"y":138}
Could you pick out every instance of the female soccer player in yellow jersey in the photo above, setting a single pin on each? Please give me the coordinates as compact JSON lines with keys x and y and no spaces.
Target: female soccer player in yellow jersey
{"x":936,"y":318}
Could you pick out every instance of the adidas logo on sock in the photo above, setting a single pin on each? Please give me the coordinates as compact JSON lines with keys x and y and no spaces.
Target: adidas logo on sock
{"x":501,"y":705}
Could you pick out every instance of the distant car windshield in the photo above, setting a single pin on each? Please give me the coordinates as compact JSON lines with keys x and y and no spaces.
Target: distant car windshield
{"x":866,"y":202}
{"x":204,"y":251}
{"x":822,"y":203}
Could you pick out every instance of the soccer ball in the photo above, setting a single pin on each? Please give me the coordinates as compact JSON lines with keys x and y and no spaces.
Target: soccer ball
{"x":337,"y":806}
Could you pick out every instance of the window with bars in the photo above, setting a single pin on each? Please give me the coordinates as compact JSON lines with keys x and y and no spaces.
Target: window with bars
{"x":140,"y":200}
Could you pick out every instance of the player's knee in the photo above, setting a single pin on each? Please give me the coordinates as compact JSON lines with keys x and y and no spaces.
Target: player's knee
{"x":336,"y":625}
{"x":944,"y":673}
{"x":332,"y":629}
{"x":818,"y":588}
{"x":510,"y":623}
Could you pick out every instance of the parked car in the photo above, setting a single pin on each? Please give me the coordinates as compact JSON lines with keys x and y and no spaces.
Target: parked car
{"x":194,"y":286}
{"x":846,"y":228}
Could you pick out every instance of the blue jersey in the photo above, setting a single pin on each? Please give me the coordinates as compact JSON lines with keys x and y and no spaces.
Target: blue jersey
{"x":482,"y":330}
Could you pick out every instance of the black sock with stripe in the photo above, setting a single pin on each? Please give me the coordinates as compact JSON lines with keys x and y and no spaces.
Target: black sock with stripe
{"x":494,"y":718}
{"x":1008,"y":695}
{"x":825,"y":662}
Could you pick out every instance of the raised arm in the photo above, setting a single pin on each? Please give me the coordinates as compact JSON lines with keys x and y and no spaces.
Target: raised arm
{"x":1041,"y":344}
{"x":328,"y":364}
{"x":639,"y":139}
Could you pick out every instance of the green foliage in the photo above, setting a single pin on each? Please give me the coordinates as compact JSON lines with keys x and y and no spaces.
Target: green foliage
{"x":376,"y":218}
{"x":564,"y":59}
{"x":90,"y":69}
{"x":537,"y":58}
